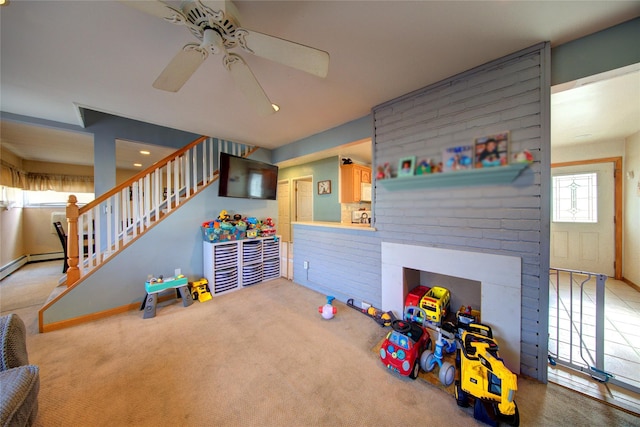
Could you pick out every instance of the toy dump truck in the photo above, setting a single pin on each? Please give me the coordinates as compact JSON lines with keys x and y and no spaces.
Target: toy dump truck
{"x":483,"y":377}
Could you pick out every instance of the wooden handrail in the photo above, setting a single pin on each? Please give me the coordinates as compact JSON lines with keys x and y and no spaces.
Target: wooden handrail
{"x":124,"y":220}
{"x":140,"y":174}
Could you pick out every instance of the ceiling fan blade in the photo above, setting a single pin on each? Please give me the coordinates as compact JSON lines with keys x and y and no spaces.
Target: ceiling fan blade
{"x":248,"y":84}
{"x":181,"y":68}
{"x":157,"y":9}
{"x":295,"y":55}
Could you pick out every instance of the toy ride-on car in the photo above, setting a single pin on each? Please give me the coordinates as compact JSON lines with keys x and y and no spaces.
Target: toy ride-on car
{"x":401,"y":349}
{"x":483,"y":377}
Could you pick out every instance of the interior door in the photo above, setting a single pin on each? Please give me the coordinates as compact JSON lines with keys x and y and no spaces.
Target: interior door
{"x":304,"y":200}
{"x":284,"y":211}
{"x":586,"y":246}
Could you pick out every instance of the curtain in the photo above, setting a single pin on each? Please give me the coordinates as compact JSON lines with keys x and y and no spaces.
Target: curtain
{"x":11,"y":176}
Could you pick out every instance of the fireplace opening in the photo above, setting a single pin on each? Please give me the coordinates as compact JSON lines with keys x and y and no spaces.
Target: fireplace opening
{"x":496,"y":278}
{"x":464,"y":292}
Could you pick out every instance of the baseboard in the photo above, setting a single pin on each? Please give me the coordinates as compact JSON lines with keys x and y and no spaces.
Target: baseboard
{"x":46,"y":257}
{"x":14,"y":265}
{"x":630,"y":283}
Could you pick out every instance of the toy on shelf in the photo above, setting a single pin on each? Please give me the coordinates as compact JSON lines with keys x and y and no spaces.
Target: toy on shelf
{"x":484,"y":378}
{"x":436,"y":303}
{"x":523,"y":157}
{"x":401,"y":349}
{"x":224,"y":216}
{"x":328,"y":310}
{"x":415,"y":295}
{"x":382,"y":318}
{"x":464,"y":317}
{"x":267,"y":228}
{"x":200,"y":290}
{"x":446,"y":343}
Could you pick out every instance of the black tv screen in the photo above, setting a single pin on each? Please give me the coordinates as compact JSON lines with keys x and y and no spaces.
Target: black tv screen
{"x":247,"y":178}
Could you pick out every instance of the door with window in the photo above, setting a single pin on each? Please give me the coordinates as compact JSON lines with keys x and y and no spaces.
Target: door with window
{"x":582,"y":223}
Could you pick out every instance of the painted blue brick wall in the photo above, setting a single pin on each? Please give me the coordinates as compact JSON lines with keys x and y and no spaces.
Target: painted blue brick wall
{"x":498,"y":219}
{"x":343,"y":263}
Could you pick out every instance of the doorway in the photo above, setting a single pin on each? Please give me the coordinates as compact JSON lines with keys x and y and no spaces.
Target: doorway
{"x":586,"y":226}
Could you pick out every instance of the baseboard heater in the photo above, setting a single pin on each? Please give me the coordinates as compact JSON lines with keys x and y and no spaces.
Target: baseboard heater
{"x":14,"y":265}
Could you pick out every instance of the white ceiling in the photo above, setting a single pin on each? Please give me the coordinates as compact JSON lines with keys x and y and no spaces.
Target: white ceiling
{"x":104,"y":55}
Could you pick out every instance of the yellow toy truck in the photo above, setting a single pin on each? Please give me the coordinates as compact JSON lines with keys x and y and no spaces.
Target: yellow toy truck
{"x":436,"y":304}
{"x":483,"y":377}
{"x":200,"y":290}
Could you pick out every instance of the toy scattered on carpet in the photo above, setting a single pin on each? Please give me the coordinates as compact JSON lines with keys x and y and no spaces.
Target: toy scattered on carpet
{"x":483,"y":378}
{"x":382,"y":318}
{"x":200,"y":290}
{"x":328,"y":310}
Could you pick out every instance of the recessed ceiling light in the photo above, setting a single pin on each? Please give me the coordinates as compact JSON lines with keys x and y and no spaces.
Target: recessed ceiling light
{"x":145,"y":152}
{"x":138,"y":165}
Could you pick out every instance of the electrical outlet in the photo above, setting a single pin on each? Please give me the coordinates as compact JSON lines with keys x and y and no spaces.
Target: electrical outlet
{"x":365,"y":305}
{"x":306,"y":265}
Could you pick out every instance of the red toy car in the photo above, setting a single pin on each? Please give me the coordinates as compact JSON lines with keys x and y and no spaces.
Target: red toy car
{"x":401,"y":349}
{"x":415,"y":295}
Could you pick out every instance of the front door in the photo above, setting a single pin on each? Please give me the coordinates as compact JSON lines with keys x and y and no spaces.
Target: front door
{"x":582,"y":234}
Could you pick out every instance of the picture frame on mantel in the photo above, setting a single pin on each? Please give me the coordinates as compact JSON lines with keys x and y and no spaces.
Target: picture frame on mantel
{"x":492,"y":150}
{"x":324,"y":187}
{"x":406,"y":166}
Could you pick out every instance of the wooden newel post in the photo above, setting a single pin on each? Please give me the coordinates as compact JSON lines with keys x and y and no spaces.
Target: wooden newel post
{"x":73,"y":273}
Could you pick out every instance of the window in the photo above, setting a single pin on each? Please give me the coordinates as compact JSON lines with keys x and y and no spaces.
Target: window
{"x":575,"y":198}
{"x":54,"y":198}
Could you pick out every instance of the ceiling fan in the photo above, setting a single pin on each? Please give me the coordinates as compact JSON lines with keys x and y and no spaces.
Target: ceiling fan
{"x":216,"y":25}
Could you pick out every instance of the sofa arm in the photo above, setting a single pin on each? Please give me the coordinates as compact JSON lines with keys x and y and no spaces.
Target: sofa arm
{"x":19,"y":397}
{"x":13,"y":342}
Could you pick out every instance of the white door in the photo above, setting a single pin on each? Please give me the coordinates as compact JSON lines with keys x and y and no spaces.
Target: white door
{"x":584,"y":246}
{"x":304,"y":200}
{"x":284,"y":211}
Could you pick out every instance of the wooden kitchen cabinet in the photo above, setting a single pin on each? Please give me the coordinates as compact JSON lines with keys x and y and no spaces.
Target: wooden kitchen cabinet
{"x":352,"y":177}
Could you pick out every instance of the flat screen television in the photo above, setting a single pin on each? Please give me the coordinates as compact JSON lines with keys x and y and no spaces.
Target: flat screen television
{"x":246,"y":178}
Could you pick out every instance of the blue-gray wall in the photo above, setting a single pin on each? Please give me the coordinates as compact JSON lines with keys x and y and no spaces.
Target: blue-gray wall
{"x":615,"y":47}
{"x":326,"y":207}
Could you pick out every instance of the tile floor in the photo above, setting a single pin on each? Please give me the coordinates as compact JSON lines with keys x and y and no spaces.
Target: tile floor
{"x":621,"y":336}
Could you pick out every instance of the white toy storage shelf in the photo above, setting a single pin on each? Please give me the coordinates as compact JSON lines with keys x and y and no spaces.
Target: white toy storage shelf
{"x":232,"y":265}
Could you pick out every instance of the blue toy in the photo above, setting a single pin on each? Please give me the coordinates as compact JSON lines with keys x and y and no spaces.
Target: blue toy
{"x":446,"y":343}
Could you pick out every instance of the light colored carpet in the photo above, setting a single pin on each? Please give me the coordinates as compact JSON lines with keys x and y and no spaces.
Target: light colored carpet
{"x":260,"y":356}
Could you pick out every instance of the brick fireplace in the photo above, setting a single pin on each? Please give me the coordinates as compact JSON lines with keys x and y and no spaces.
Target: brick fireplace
{"x":499,"y":277}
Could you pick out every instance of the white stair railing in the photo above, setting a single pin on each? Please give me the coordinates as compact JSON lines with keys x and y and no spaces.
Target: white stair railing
{"x":112,"y":221}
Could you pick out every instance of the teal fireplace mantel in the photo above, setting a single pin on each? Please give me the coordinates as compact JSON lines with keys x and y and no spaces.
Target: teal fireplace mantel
{"x":462,"y":178}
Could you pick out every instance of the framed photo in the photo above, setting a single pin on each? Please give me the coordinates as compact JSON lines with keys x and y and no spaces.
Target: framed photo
{"x":457,"y":158}
{"x":324,"y":187}
{"x":492,"y":150}
{"x":406,"y":166}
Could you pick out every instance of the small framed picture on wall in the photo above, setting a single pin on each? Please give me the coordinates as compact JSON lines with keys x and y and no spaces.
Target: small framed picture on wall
{"x":324,"y":187}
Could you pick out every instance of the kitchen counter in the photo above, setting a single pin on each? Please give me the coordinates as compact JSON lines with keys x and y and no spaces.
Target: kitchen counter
{"x":332,"y":224}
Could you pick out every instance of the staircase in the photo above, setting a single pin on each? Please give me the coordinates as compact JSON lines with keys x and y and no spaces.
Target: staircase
{"x":103,"y":228}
